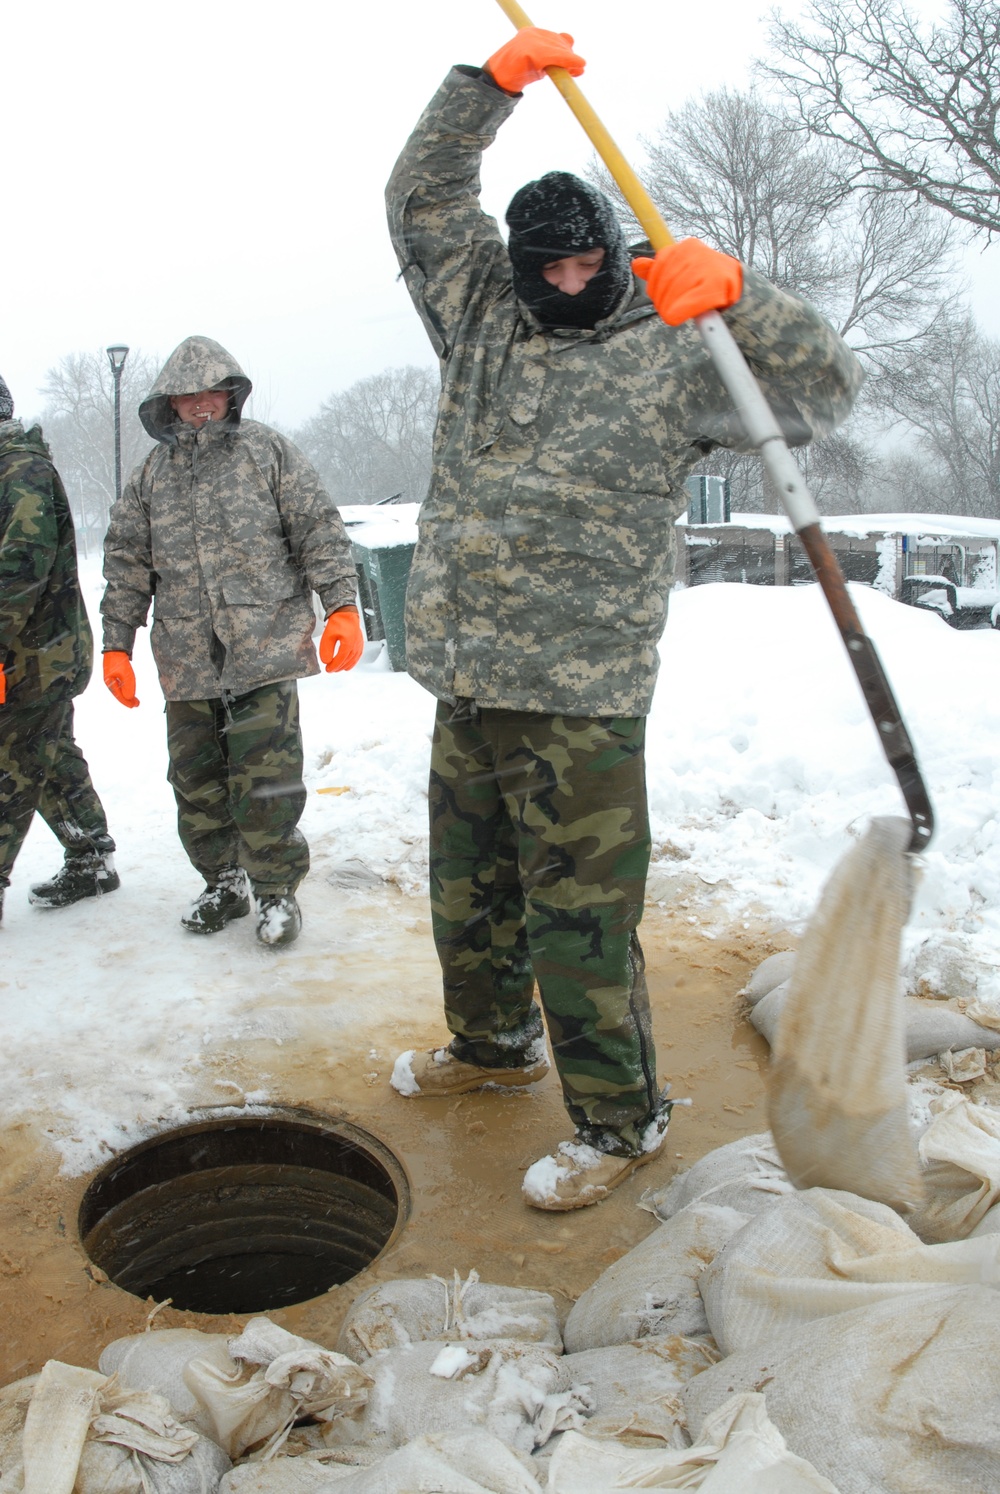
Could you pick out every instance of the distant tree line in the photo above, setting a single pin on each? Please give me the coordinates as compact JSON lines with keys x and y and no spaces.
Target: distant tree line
{"x":865,"y":151}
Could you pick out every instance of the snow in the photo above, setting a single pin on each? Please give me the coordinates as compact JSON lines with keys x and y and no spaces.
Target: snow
{"x":762,"y":765}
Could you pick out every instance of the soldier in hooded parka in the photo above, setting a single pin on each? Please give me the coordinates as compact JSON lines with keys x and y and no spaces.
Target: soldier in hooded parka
{"x":227,"y":528}
{"x":575,"y":402}
{"x":46,"y":655}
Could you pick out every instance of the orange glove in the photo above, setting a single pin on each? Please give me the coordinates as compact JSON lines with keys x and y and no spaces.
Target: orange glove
{"x":343,"y":642}
{"x":120,"y":678}
{"x":688,"y":278}
{"x":3,"y":687}
{"x":525,"y":57}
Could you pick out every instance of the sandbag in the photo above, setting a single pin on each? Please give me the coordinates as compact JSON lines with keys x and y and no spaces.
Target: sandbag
{"x":821,"y":1252}
{"x":931,"y":1028}
{"x":634,"y":1389}
{"x":450,"y":1463}
{"x":506,"y":1387}
{"x":776,"y":970}
{"x":156,"y":1361}
{"x":960,"y":1155}
{"x":837,"y":1097}
{"x":252,"y":1389}
{"x":74,"y":1431}
{"x":740,"y":1451}
{"x":745,"y":1175}
{"x":416,"y":1311}
{"x":882,"y":1398}
{"x":653,"y":1291}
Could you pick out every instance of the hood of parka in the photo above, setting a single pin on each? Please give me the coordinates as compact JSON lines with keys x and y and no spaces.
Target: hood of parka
{"x":195,"y":364}
{"x":14,"y":437}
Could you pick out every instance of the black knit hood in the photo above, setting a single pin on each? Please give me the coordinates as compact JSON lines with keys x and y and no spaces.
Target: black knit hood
{"x":556,"y":217}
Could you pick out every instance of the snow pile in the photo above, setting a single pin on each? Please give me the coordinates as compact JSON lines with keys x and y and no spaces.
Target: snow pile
{"x":762,"y":763}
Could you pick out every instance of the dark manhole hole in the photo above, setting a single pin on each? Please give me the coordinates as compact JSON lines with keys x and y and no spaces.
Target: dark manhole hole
{"x":243,"y":1215}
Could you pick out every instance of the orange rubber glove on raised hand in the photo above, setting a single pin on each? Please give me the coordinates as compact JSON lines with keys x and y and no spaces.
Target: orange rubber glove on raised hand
{"x":3,"y":687}
{"x":343,"y":641}
{"x":525,"y":57}
{"x":120,"y":678}
{"x":688,"y":278}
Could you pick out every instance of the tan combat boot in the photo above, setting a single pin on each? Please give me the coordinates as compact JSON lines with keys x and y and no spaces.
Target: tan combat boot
{"x":438,"y":1072}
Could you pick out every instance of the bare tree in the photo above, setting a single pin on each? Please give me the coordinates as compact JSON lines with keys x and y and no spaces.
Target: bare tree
{"x":948,"y":392}
{"x":79,"y":424}
{"x":373,"y":440}
{"x":916,"y":108}
{"x":743,"y":175}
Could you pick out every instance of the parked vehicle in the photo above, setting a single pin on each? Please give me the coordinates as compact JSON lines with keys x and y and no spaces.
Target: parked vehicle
{"x":960,"y":606}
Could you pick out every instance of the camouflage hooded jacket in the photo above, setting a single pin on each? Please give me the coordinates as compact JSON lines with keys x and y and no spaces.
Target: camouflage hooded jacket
{"x":546,"y":543}
{"x":231,"y":530}
{"x":45,"y":639}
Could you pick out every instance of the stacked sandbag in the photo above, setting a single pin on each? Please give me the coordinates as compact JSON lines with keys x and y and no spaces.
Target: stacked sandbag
{"x":895,"y":1397}
{"x":653,"y":1290}
{"x":69,"y":1430}
{"x":740,"y":1451}
{"x":456,"y":1462}
{"x":245,"y":1392}
{"x":745,"y":1175}
{"x":398,"y":1313}
{"x":506,"y":1387}
{"x":822,"y":1252}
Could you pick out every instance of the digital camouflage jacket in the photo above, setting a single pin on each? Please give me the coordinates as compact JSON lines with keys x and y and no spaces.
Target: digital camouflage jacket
{"x":546,"y":542}
{"x":230,"y":530}
{"x":45,"y":639}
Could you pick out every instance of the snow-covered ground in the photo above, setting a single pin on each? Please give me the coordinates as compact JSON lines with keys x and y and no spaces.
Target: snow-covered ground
{"x":762,"y":763}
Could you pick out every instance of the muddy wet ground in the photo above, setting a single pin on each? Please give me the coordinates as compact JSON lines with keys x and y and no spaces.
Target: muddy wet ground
{"x":464,"y":1157}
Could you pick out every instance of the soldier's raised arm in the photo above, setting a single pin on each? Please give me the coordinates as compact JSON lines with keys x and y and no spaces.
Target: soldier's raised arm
{"x":451,"y":253}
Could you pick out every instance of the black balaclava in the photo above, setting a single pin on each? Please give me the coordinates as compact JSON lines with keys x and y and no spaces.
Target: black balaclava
{"x":6,"y":401}
{"x":556,"y":217}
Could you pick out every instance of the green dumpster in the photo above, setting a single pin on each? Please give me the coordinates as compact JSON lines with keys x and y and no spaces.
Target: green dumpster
{"x":383,"y":570}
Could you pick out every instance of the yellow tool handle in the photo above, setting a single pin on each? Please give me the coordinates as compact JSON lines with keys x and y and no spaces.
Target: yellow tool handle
{"x":635,"y":194}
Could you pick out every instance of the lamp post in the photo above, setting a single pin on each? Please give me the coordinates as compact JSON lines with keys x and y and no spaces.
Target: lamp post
{"x":116,"y":357}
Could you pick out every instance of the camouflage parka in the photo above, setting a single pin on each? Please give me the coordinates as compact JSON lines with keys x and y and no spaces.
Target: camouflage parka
{"x":545,"y":552}
{"x":45,"y":641}
{"x":229,"y":528}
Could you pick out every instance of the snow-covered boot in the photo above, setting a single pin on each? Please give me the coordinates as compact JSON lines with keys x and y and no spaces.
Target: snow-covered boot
{"x":578,"y":1174}
{"x":279,"y":920}
{"x":83,"y":874}
{"x":223,"y":900}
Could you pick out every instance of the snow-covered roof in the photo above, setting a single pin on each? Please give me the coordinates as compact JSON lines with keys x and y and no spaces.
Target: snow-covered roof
{"x":928,"y":528}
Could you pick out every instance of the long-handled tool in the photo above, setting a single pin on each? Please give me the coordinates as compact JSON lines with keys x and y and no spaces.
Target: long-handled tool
{"x":765,"y":433}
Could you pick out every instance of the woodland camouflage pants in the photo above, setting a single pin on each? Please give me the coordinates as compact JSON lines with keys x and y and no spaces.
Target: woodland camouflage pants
{"x":236,"y":772}
{"x":42,"y":768}
{"x":539,"y":848}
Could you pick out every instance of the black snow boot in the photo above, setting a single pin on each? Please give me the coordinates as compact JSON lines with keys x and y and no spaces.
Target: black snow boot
{"x":279,"y":920}
{"x":221,"y":902}
{"x":83,"y":874}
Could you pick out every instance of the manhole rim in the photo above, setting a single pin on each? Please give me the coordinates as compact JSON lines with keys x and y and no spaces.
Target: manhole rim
{"x":297,"y":1117}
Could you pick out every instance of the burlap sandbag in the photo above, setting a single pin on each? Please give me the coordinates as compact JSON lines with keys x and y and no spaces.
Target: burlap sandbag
{"x":453,"y":1462}
{"x":653,"y":1290}
{"x":417,"y":1311}
{"x":821,"y":1252}
{"x":837,"y":1096}
{"x":745,"y":1175}
{"x":895,"y":1398}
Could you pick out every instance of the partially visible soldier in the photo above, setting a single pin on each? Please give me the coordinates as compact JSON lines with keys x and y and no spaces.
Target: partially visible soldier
{"x":46,"y":652}
{"x":574,"y":406}
{"x":228,"y":525}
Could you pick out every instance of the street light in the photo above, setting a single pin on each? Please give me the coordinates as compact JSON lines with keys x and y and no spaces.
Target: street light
{"x":116,"y":357}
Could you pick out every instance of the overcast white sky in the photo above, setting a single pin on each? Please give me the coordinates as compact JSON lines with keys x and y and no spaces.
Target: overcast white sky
{"x":219,"y":169}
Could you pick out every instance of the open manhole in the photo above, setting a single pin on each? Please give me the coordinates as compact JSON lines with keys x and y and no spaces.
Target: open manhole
{"x":243,"y":1215}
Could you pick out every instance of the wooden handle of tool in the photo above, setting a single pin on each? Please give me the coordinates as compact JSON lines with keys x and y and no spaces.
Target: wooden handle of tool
{"x":633,"y":191}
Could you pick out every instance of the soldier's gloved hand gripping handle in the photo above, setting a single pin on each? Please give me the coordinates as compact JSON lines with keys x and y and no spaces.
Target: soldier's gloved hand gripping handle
{"x":525,"y":57}
{"x":343,"y":642}
{"x":120,"y":678}
{"x":688,"y":278}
